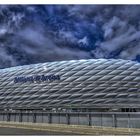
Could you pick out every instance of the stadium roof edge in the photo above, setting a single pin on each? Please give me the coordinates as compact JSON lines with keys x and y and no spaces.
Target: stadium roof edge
{"x":73,"y":60}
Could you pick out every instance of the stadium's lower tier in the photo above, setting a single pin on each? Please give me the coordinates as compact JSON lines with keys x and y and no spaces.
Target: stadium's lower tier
{"x":103,"y":119}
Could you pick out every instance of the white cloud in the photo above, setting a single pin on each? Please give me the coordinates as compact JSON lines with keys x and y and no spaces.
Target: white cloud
{"x":6,"y":59}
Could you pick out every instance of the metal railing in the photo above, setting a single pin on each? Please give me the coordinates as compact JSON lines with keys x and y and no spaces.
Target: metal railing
{"x":103,"y":119}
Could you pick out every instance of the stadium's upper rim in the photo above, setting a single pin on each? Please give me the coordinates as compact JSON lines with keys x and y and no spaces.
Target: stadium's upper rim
{"x":64,"y":61}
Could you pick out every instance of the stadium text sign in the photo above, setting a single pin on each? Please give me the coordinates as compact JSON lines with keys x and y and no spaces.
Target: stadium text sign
{"x":36,"y":78}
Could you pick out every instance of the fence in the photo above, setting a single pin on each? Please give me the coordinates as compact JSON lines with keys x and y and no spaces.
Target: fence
{"x":111,"y":119}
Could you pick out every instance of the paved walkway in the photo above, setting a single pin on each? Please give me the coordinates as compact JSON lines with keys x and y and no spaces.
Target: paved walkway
{"x":61,"y":129}
{"x":19,"y":131}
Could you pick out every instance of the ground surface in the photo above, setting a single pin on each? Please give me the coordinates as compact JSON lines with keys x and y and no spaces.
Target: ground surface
{"x":17,"y":128}
{"x":20,"y":131}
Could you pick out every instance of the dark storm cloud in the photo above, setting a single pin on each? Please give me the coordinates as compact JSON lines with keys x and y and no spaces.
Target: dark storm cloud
{"x":38,"y":45}
{"x":24,"y":41}
{"x":121,"y":26}
{"x":34,"y":34}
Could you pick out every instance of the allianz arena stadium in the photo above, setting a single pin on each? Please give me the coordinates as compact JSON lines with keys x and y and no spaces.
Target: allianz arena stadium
{"x":94,"y":84}
{"x":90,"y":92}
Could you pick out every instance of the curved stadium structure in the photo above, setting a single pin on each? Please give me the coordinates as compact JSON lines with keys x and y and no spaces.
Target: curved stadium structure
{"x":84,"y":84}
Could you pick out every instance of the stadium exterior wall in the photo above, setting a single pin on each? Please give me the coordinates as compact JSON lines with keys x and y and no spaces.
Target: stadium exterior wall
{"x":89,"y":83}
{"x":101,"y":119}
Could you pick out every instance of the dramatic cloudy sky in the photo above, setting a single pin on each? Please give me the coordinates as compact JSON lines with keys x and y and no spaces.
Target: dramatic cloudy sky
{"x":40,"y":33}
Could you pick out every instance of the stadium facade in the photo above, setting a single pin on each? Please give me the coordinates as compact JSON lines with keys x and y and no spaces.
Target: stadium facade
{"x":86,"y":85}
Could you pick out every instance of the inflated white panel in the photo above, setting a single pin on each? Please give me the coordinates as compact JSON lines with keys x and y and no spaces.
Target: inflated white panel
{"x":93,"y":82}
